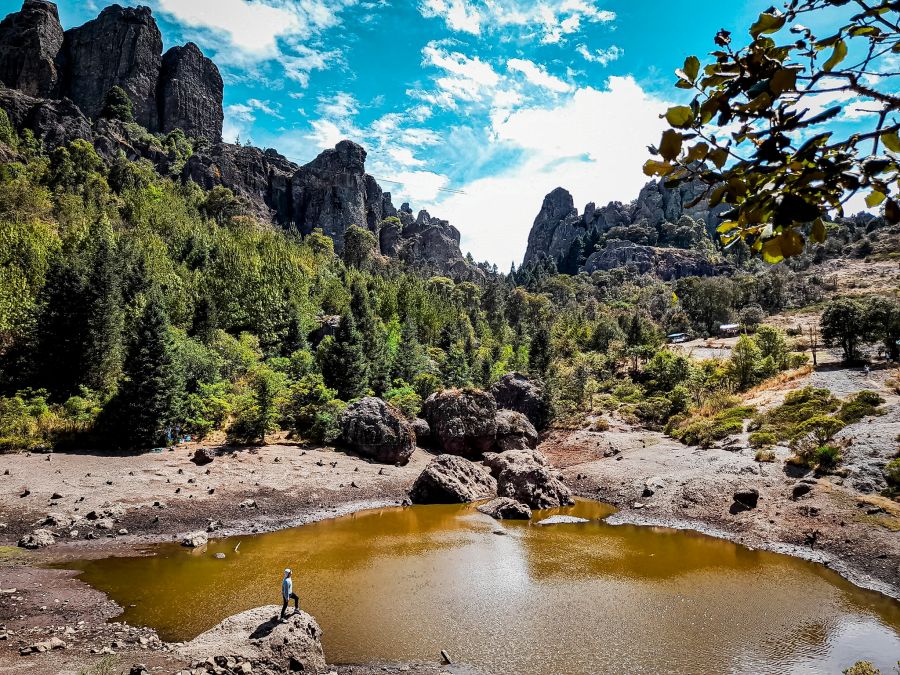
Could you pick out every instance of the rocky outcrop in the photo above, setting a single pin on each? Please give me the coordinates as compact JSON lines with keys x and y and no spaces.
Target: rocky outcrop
{"x":514,"y":431}
{"x":658,"y":211}
{"x":190,"y":94}
{"x":377,"y":430}
{"x":463,"y":421}
{"x":30,"y":45}
{"x":449,"y":479}
{"x":39,"y":539}
{"x":666,"y":263}
{"x":257,"y":637}
{"x":53,"y":122}
{"x":526,"y":476}
{"x":121,"y":47}
{"x":504,"y":508}
{"x":515,"y":391}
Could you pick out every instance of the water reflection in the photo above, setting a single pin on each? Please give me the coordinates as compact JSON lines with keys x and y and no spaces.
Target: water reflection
{"x":402,"y":584}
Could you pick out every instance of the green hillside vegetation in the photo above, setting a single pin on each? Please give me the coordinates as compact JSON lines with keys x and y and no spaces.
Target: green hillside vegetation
{"x":136,"y":309}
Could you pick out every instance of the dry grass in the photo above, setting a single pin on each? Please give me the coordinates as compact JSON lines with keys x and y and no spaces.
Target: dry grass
{"x":778,"y":381}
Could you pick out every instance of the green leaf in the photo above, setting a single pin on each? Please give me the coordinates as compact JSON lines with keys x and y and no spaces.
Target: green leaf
{"x":691,"y":68}
{"x":680,"y":116}
{"x":837,"y":55}
{"x":791,"y":243}
{"x":767,"y":23}
{"x":727,"y":226}
{"x":818,"y":231}
{"x":874,"y":198}
{"x":653,"y":167}
{"x":718,"y":157}
{"x":783,"y":80}
{"x":670,"y":146}
{"x":771,"y":250}
{"x":891,"y":141}
{"x":892,"y":212}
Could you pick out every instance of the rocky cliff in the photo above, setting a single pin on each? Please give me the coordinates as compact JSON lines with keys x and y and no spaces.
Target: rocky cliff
{"x":121,"y":47}
{"x":661,"y":231}
{"x":57,"y":83}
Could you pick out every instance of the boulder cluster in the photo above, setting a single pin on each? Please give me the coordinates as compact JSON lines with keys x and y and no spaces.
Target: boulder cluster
{"x":487,"y":442}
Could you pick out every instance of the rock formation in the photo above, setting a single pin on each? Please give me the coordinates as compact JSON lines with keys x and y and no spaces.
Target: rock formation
{"x":514,"y":431}
{"x":449,"y":479}
{"x":190,"y":93}
{"x":256,"y":636}
{"x":526,"y":476}
{"x":122,"y":46}
{"x":463,"y":422}
{"x":30,"y":44}
{"x":374,"y":429}
{"x":515,"y":391}
{"x":58,"y":84}
{"x":504,"y":508}
{"x":658,"y":210}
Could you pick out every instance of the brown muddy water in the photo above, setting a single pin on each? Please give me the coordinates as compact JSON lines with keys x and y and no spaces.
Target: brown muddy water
{"x":401,"y":584}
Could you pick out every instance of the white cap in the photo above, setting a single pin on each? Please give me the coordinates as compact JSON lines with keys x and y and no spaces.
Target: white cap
{"x":287,"y":571}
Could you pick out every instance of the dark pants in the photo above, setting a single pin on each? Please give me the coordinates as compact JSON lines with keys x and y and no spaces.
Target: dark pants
{"x":296,"y":600}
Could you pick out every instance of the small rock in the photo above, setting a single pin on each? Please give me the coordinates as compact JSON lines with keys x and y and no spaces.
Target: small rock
{"x":37,"y":539}
{"x":747,"y":497}
{"x":248,"y":504}
{"x":203,"y":456}
{"x":799,"y":490}
{"x":195,"y":540}
{"x":562,"y":520}
{"x":219,"y":556}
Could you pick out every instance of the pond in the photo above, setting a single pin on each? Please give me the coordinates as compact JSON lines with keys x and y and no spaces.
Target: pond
{"x":401,"y":584}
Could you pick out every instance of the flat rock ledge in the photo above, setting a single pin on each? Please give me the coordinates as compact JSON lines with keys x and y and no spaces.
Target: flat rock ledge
{"x":259,"y":638}
{"x":562,"y":520}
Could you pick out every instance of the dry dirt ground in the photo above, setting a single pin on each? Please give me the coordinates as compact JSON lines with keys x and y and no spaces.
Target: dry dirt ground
{"x":123,"y":502}
{"x":840,"y":521}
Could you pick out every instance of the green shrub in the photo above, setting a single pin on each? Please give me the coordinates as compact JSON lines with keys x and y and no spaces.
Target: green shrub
{"x":892,"y":473}
{"x":704,"y":431}
{"x":827,"y":456}
{"x":762,"y":439}
{"x":312,"y":410}
{"x":405,"y":399}
{"x":863,"y":404}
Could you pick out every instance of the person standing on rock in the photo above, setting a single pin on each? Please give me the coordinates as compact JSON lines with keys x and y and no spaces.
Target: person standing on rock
{"x":287,"y":593}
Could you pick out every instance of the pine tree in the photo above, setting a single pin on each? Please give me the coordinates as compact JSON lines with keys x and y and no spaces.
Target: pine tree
{"x":105,"y":318}
{"x":147,"y":408}
{"x":539,"y":351}
{"x":205,"y":321}
{"x":410,"y":359}
{"x":118,"y":105}
{"x":343,"y":362}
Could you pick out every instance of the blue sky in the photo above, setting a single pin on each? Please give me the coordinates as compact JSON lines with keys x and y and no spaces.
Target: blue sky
{"x":473,"y":109}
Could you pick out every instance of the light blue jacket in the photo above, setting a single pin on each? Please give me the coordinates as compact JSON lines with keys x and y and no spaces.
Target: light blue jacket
{"x":287,"y":587}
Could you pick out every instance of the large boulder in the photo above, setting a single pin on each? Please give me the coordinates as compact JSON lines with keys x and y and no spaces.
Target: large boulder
{"x":514,"y":431}
{"x":449,"y":479}
{"x":515,"y":391}
{"x":504,"y":508}
{"x":526,"y":476}
{"x":30,"y":44}
{"x":258,"y":637}
{"x":375,"y":429}
{"x":463,"y":422}
{"x":121,"y":47}
{"x":190,"y":94}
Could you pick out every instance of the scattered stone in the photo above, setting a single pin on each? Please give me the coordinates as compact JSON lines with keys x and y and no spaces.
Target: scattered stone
{"x":203,"y":456}
{"x":504,"y":508}
{"x":449,"y":479}
{"x":248,"y":504}
{"x":38,"y":539}
{"x":219,"y":556}
{"x":60,"y":520}
{"x":56,"y":495}
{"x":799,"y":490}
{"x":195,"y":540}
{"x":44,"y":646}
{"x":746,"y":497}
{"x":652,"y":485}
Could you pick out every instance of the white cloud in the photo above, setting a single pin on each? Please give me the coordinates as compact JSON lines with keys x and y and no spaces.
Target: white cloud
{"x":551,"y":20}
{"x":602,"y":56}
{"x":464,"y":78}
{"x":458,"y":14}
{"x":302,"y":60}
{"x":593,"y":143}
{"x":538,"y":75}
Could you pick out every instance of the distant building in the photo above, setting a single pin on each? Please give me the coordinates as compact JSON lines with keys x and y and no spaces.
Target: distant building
{"x":729,"y":329}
